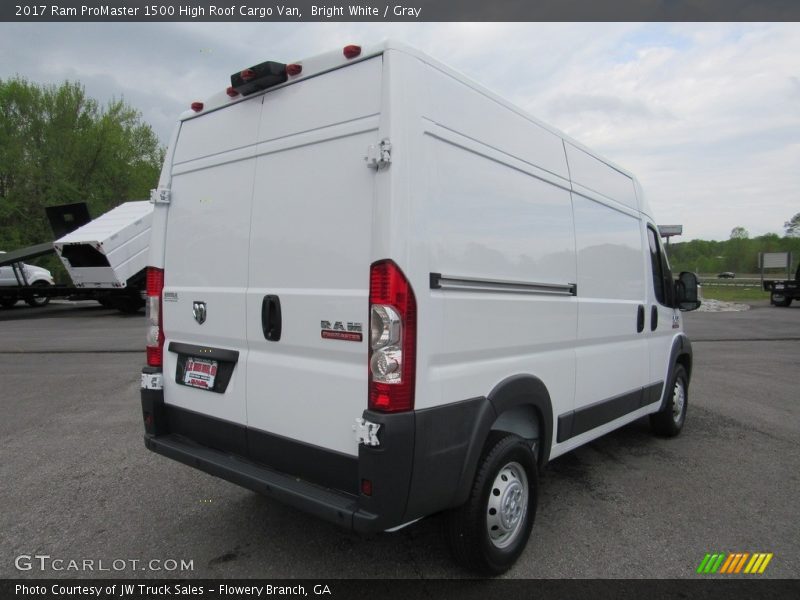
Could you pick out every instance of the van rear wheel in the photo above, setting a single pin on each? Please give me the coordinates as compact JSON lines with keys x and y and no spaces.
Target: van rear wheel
{"x":490,"y":531}
{"x":669,"y":420}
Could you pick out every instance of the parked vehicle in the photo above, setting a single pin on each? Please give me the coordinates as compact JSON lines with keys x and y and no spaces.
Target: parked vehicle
{"x":726,"y":275}
{"x":105,"y":258}
{"x":783,"y":292}
{"x":110,"y":253}
{"x":12,"y":276}
{"x":377,"y":292}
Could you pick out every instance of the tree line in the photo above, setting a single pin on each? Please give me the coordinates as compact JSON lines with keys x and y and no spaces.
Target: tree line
{"x":738,"y":254}
{"x":59,"y":146}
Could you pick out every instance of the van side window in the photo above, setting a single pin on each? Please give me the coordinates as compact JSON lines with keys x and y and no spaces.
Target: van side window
{"x":662,"y":275}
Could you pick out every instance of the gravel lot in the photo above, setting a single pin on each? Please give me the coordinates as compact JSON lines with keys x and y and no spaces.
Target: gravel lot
{"x":79,"y":484}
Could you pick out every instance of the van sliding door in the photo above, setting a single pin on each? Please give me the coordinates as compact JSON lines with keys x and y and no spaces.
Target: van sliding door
{"x":612,"y":363}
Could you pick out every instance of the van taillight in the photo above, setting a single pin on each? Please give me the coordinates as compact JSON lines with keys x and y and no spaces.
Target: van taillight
{"x":155,"y":329}
{"x":392,"y":339}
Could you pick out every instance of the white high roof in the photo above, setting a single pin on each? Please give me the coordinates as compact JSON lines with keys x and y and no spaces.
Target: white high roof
{"x":335,"y":59}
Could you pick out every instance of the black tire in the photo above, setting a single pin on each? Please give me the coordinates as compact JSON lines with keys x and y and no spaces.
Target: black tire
{"x":669,"y":421}
{"x":7,"y":302}
{"x":38,"y":301}
{"x":780,"y":299}
{"x":467,"y":528}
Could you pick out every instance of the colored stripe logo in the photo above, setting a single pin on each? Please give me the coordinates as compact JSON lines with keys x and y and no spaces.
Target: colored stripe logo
{"x":734,"y":563}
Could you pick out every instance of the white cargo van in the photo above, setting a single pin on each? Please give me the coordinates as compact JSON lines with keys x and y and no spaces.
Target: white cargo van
{"x":378,"y":291}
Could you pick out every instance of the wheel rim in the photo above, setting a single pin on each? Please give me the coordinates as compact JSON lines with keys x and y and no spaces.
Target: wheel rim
{"x":37,"y":300}
{"x":678,"y":401}
{"x":508,"y":505}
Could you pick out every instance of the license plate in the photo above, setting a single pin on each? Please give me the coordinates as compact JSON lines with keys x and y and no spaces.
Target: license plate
{"x":200,"y":373}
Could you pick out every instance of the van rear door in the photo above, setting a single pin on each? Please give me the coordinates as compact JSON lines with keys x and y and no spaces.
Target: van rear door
{"x":310,"y":254}
{"x":205,"y":268}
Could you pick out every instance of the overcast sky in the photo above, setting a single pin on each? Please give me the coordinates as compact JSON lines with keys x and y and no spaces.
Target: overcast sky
{"x":706,"y":115}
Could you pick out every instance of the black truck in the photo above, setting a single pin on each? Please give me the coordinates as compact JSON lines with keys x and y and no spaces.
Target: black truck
{"x":781,"y":293}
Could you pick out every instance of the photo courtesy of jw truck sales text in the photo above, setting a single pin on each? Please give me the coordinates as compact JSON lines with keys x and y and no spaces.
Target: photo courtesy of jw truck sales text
{"x":143,"y":590}
{"x":377,"y":291}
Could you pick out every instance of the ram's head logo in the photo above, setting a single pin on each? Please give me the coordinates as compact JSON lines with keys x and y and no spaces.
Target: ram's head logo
{"x":199,"y":312}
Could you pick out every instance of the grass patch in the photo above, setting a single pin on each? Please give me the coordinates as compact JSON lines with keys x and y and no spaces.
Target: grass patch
{"x":734,"y":294}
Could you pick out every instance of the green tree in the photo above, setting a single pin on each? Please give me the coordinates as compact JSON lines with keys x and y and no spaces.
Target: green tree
{"x":58,"y":146}
{"x":738,"y":255}
{"x":739,"y":233}
{"x":792,"y":226}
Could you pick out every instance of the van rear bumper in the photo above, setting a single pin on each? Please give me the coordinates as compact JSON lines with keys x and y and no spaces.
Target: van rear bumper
{"x":337,"y":507}
{"x":421,"y":466}
{"x":220,"y":448}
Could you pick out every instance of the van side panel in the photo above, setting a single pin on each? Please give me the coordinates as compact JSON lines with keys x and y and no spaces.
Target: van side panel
{"x":467,"y":111}
{"x":592,"y":173}
{"x":496,"y":210}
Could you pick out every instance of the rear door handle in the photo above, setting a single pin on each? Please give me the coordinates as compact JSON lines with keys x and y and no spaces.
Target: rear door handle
{"x":271,"y":317}
{"x":653,"y":317}
{"x":640,"y":319}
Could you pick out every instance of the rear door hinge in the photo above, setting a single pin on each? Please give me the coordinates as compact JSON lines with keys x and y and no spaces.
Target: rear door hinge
{"x":379,"y":155}
{"x":160,"y":196}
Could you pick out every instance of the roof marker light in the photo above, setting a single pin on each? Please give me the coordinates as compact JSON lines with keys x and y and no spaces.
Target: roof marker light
{"x":231,"y":92}
{"x":294,"y":69}
{"x":197,"y":106}
{"x":351,"y":51}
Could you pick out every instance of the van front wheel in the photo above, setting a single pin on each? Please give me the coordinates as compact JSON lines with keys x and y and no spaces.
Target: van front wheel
{"x":669,"y":421}
{"x":489,"y":532}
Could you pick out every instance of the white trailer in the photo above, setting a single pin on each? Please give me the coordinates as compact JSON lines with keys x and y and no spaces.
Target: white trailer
{"x":111,"y":251}
{"x":106,"y":258}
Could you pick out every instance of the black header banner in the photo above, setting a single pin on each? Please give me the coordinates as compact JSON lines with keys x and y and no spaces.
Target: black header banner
{"x":398,"y":10}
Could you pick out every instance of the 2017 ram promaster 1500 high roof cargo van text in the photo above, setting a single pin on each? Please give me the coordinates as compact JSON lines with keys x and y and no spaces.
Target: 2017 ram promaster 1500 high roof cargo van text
{"x":377,"y":292}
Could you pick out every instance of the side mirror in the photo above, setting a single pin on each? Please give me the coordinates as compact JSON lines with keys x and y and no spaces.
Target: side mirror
{"x":686,"y":292}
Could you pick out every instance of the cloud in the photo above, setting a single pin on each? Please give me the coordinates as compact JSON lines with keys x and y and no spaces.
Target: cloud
{"x":610,"y":106}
